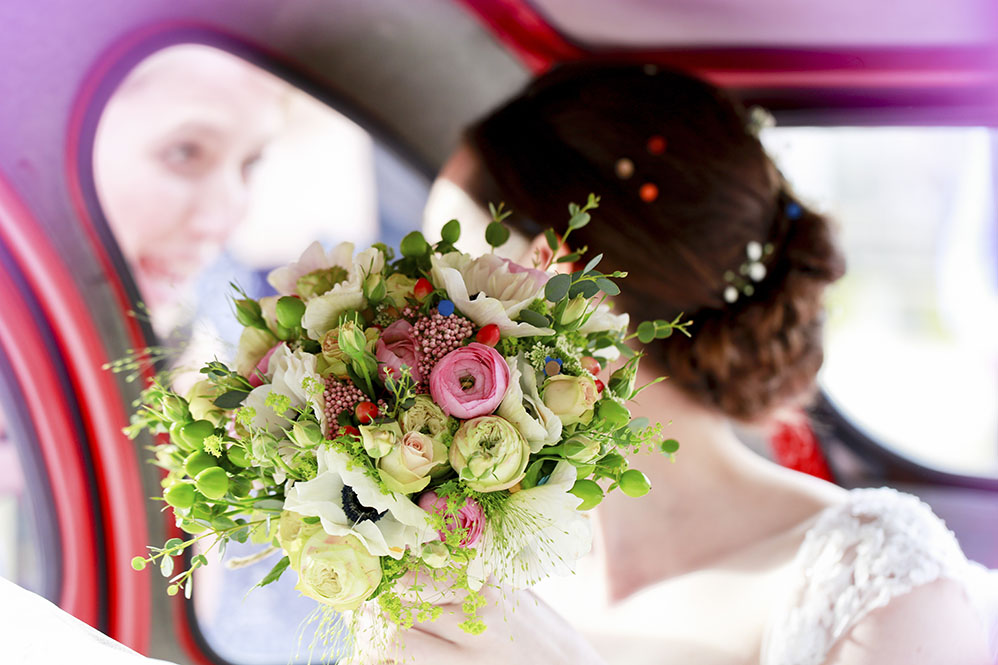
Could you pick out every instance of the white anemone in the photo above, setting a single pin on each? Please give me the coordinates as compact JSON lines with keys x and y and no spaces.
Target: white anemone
{"x":348,"y":502}
{"x":524,"y":407}
{"x":490,"y":289}
{"x":322,"y":313}
{"x":539,"y":533}
{"x":313,"y":259}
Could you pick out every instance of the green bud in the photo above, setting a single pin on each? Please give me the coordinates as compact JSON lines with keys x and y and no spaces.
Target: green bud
{"x":180,"y":495}
{"x":634,"y":483}
{"x":306,"y":434}
{"x":213,"y":482}
{"x":590,"y":493}
{"x":289,"y":311}
{"x":574,"y":310}
{"x":622,"y":382}
{"x":175,"y":408}
{"x":249,"y":314}
{"x":614,"y":414}
{"x":197,"y":462}
{"x":352,"y":340}
{"x":375,"y":289}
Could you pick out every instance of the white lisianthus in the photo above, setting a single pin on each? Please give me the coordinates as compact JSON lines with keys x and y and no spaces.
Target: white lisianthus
{"x":602,"y":319}
{"x":322,"y":313}
{"x":315,"y":272}
{"x":348,"y":502}
{"x":337,"y":571}
{"x":294,"y":375}
{"x":538,"y":533}
{"x":490,"y":289}
{"x":524,"y":407}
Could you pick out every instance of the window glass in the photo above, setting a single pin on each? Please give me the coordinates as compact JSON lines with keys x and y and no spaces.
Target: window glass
{"x":211,"y":171}
{"x":29,"y":547}
{"x":912,"y":340}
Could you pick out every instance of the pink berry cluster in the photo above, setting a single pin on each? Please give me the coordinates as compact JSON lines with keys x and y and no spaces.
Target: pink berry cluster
{"x":340,"y":396}
{"x":437,"y":336}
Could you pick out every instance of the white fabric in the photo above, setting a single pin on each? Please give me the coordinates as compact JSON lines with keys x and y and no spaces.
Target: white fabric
{"x":33,"y":631}
{"x":858,"y":556}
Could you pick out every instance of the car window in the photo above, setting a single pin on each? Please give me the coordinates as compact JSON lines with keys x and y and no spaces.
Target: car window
{"x":912,"y":336}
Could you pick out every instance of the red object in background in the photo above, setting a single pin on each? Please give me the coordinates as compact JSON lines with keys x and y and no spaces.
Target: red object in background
{"x":795,"y":446}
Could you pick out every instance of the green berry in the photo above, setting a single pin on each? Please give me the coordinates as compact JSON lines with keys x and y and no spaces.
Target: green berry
{"x":213,"y":482}
{"x":180,"y":495}
{"x":590,"y":493}
{"x":238,"y":456}
{"x":197,"y":462}
{"x":138,"y":563}
{"x":196,"y":432}
{"x":634,"y":483}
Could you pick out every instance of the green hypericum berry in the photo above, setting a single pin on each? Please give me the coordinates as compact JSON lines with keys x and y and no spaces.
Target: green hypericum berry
{"x":180,"y":495}
{"x":634,"y":483}
{"x":289,"y":311}
{"x":197,"y":462}
{"x":196,"y":432}
{"x":138,"y":563}
{"x":213,"y":482}
{"x":178,"y":439}
{"x":238,"y":456}
{"x":590,"y":493}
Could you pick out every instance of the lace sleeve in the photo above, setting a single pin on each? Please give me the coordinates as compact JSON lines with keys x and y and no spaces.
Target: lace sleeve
{"x":857,"y":557}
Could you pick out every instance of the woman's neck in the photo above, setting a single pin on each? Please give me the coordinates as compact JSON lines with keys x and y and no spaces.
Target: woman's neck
{"x":716,"y":498}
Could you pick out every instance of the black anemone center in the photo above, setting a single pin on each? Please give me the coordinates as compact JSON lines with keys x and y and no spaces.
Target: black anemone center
{"x":356,"y":511}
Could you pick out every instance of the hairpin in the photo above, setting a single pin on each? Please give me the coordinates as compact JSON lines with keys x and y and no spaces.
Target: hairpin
{"x":749,"y":273}
{"x":624,"y":168}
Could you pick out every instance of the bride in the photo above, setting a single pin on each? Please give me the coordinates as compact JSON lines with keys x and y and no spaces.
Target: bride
{"x":731,"y":559}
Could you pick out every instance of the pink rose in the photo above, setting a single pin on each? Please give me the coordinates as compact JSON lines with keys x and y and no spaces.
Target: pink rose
{"x":262,"y":367}
{"x":397,"y":347}
{"x":470,"y":381}
{"x":470,"y":517}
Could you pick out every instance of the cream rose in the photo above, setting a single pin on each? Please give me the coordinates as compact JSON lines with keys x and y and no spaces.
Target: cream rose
{"x":337,"y":571}
{"x":380,"y":439}
{"x":406,"y":468}
{"x":425,"y":417}
{"x":571,"y":398}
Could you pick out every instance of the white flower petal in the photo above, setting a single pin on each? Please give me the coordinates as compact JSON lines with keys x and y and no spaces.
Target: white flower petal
{"x":322,"y":314}
{"x":604,"y":319}
{"x":545,"y":430}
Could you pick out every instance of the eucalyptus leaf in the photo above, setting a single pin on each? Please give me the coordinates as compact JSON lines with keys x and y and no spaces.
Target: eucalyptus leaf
{"x":496,"y":234}
{"x":166,"y":566}
{"x":593,"y":262}
{"x":552,"y":239}
{"x":451,"y":232}
{"x":557,"y":287}
{"x":569,"y":258}
{"x":535,"y":319}
{"x":607,"y":287}
{"x":230,"y":399}
{"x":646,"y":332}
{"x":579,"y":220}
{"x":172,"y":543}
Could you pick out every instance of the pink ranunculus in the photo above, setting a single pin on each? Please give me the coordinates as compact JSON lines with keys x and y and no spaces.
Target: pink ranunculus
{"x":470,"y":517}
{"x":397,"y":347}
{"x":262,"y":367}
{"x":470,"y":381}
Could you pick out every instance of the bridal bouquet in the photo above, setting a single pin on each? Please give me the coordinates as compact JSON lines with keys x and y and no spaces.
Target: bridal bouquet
{"x":391,"y":422}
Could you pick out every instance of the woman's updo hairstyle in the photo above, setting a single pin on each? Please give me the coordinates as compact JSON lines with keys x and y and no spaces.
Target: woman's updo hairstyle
{"x":685,"y":187}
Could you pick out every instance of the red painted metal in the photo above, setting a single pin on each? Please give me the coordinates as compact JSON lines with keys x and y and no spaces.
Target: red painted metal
{"x":116,"y":464}
{"x":524,"y":32}
{"x":58,"y":438}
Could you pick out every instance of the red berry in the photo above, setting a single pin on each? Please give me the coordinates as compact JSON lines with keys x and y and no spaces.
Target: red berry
{"x":422,"y":288}
{"x":489,"y":335}
{"x":648,"y":192}
{"x":366,"y":412}
{"x":350,"y":430}
{"x":591,"y":365}
{"x":599,"y":386}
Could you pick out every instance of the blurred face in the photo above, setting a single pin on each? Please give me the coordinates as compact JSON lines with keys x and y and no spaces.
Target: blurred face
{"x":174,"y":153}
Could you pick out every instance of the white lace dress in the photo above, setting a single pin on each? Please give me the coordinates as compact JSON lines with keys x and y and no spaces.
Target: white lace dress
{"x":859,"y":555}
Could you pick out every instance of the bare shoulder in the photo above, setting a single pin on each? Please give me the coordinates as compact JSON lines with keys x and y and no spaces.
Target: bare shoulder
{"x":933,"y":624}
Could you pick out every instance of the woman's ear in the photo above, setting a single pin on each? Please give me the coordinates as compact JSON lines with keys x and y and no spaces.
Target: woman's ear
{"x":540,"y":255}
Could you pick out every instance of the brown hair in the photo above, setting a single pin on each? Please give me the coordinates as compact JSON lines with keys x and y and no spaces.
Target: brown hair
{"x":717,"y":191}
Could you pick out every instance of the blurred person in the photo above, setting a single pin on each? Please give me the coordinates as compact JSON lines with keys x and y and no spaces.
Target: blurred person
{"x":173,"y":158}
{"x":731,"y":559}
